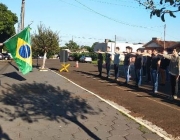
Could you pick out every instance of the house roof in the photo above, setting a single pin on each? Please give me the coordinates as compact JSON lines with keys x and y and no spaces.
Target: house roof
{"x":177,"y":45}
{"x":160,"y":43}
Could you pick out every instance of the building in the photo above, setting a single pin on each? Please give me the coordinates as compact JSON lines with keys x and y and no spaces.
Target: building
{"x":176,"y":46}
{"x":159,"y":44}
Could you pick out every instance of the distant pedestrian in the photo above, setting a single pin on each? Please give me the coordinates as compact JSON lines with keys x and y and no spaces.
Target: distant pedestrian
{"x":174,"y":70}
{"x":163,"y":67}
{"x":144,"y":64}
{"x":148,"y":66}
{"x":108,"y":61}
{"x":138,"y":67}
{"x":116,"y":63}
{"x":132,"y":70}
{"x":127,"y":60}
{"x":100,"y":62}
{"x":155,"y":65}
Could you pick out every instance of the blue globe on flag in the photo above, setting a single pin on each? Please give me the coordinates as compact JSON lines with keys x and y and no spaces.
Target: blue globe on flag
{"x":25,"y":51}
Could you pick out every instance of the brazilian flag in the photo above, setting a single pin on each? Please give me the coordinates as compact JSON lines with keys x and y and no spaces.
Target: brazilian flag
{"x":20,"y":49}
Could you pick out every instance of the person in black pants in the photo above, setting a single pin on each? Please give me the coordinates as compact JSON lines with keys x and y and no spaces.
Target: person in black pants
{"x":174,"y":70}
{"x":100,"y":62}
{"x":108,"y":58}
{"x":138,"y":67}
{"x":163,"y":66}
{"x":155,"y":64}
{"x":148,"y":66}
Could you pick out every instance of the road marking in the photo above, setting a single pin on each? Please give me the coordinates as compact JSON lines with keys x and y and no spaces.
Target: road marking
{"x":119,"y":109}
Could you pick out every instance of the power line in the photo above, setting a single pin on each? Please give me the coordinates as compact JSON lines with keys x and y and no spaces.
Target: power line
{"x":104,"y":2}
{"x":121,"y":22}
{"x":72,"y":4}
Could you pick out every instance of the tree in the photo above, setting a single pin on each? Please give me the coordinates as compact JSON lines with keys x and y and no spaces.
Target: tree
{"x":72,"y":45}
{"x":88,"y":48}
{"x":45,"y":42}
{"x":163,"y":7}
{"x":94,"y":44}
{"x":7,"y":22}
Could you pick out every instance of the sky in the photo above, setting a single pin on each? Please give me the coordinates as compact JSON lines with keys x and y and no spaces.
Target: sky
{"x":89,"y":21}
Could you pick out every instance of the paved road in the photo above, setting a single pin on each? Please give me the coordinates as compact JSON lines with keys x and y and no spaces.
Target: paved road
{"x":44,"y":106}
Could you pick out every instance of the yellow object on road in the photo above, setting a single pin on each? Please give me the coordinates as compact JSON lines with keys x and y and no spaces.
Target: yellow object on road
{"x":64,"y":67}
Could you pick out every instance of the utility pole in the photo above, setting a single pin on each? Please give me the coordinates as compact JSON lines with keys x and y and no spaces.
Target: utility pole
{"x":164,"y":35}
{"x":22,"y":14}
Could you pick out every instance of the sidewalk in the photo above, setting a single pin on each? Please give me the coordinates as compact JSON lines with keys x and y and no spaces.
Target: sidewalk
{"x":44,"y":106}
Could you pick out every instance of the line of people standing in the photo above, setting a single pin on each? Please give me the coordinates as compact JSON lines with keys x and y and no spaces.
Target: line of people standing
{"x":149,"y":62}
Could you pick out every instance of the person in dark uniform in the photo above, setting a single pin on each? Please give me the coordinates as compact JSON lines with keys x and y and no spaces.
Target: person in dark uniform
{"x":138,"y":67}
{"x":127,"y":61}
{"x":155,"y":66}
{"x":108,"y":61}
{"x":100,"y":62}
{"x":116,"y":63}
{"x":148,"y":66}
{"x":163,"y":66}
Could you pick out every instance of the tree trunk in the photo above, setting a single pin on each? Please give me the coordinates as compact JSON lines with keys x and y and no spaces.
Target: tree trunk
{"x":44,"y":60}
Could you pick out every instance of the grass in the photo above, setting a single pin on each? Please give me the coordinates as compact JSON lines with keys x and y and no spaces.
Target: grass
{"x":94,"y":62}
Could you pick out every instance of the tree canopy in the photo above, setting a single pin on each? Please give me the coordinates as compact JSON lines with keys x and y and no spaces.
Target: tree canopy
{"x":162,"y":8}
{"x":94,"y":44}
{"x":7,"y":22}
{"x":71,"y":45}
{"x":45,"y":40}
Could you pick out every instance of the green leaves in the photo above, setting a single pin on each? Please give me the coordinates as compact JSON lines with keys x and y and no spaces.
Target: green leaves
{"x":160,"y":10}
{"x":171,"y":14}
{"x":7,"y":22}
{"x":162,"y":18}
{"x":72,"y":45}
{"x":45,"y":40}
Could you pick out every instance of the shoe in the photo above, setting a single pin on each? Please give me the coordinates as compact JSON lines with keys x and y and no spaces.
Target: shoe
{"x":125,"y":83}
{"x":116,"y":79}
{"x":171,"y":97}
{"x":175,"y":97}
{"x":99,"y":75}
{"x":155,"y":92}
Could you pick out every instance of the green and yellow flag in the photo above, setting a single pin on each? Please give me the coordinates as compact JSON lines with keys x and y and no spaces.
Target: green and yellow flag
{"x":20,"y":49}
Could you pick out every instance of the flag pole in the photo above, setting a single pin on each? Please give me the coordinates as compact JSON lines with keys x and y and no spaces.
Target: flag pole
{"x":12,"y":36}
{"x":1,"y":44}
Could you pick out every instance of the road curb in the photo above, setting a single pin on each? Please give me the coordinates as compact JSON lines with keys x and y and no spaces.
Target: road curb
{"x":124,"y":111}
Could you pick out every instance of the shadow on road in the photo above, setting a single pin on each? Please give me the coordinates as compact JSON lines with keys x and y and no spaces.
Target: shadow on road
{"x":3,"y":136}
{"x":36,"y":101}
{"x":14,"y":75}
{"x":13,"y":65}
{"x":131,"y":88}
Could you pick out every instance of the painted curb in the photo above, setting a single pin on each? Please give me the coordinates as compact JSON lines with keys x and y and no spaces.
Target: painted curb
{"x":124,"y":111}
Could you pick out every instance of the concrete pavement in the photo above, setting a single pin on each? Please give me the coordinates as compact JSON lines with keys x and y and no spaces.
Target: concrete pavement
{"x":44,"y":106}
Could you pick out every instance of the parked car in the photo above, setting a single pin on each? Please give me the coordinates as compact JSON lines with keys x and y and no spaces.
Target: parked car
{"x":6,"y":56}
{"x":71,"y":58}
{"x":85,"y":59}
